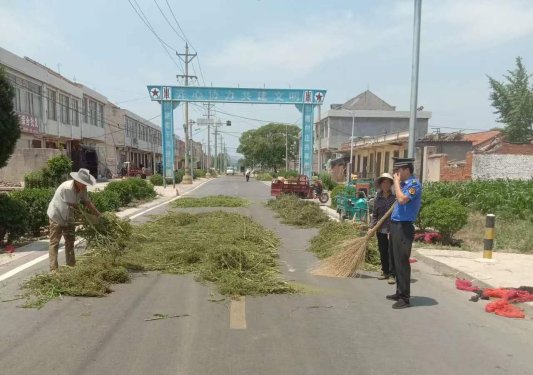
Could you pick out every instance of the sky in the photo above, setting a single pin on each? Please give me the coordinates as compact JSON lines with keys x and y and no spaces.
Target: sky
{"x":343,"y":46}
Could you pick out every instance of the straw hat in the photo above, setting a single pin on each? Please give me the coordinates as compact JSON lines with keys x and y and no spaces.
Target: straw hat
{"x":83,"y":176}
{"x":383,"y":176}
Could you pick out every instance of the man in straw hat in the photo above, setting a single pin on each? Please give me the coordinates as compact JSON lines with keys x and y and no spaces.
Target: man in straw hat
{"x":61,"y":214}
{"x":402,"y":231}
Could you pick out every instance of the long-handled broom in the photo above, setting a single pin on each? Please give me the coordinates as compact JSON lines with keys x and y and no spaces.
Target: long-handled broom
{"x":351,"y":256}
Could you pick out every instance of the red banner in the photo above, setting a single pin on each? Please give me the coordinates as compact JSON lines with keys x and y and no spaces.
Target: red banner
{"x":28,"y":124}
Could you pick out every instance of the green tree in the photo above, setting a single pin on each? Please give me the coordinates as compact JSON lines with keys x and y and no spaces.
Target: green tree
{"x":9,"y":122}
{"x":266,"y":145}
{"x":513,"y":100}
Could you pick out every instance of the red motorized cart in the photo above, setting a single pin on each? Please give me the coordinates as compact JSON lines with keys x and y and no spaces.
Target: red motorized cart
{"x":299,"y":186}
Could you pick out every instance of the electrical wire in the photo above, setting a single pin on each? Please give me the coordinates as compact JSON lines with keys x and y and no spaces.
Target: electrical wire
{"x":188,"y":41}
{"x":164,"y":44}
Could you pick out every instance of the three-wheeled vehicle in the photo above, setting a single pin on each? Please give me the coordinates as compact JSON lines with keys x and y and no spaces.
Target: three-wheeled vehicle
{"x":355,"y":202}
{"x":299,"y":186}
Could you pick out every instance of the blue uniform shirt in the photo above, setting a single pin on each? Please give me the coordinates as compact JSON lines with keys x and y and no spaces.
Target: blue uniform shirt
{"x":408,"y":212}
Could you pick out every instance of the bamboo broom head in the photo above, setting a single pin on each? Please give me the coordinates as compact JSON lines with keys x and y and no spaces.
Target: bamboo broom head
{"x":351,"y":256}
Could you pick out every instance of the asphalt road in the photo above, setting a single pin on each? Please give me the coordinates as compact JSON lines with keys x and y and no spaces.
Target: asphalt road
{"x":339,"y":326}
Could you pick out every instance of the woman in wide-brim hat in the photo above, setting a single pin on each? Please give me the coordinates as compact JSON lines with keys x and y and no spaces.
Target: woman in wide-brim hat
{"x":384,"y":200}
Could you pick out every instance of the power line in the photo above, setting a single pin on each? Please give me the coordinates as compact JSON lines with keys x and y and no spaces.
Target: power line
{"x":145,"y":20}
{"x":187,"y":40}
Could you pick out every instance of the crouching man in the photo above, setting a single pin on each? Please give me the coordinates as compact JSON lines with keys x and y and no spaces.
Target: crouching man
{"x":61,"y":209}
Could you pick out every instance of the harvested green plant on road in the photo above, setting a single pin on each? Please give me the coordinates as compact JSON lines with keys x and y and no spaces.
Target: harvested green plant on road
{"x":331,"y":236}
{"x":295,"y":211}
{"x":211,"y":201}
{"x":230,"y":250}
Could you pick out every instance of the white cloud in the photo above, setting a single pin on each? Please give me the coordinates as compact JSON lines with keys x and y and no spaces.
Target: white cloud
{"x":300,"y":50}
{"x":472,"y":24}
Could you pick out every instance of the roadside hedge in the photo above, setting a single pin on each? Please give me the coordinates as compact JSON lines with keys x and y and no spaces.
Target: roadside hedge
{"x":156,"y":180}
{"x":13,"y":218}
{"x":105,"y":200}
{"x":327,"y":181}
{"x":446,"y":215}
{"x":35,"y":202}
{"x":52,"y":175}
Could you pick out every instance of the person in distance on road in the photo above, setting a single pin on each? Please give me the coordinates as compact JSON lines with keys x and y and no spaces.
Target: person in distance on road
{"x":247,"y":174}
{"x":402,"y":231}
{"x":67,"y":198}
{"x":384,"y":200}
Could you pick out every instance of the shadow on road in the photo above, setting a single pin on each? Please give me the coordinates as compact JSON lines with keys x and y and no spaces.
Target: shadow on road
{"x":418,"y":301}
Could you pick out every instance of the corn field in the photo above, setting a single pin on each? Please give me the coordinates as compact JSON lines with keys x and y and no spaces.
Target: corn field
{"x":511,"y":199}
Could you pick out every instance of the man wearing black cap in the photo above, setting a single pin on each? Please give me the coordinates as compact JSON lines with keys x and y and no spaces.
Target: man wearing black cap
{"x":402,"y":231}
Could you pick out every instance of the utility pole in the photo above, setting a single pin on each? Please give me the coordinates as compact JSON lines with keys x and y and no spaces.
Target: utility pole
{"x":186,"y":58}
{"x":209,"y":106}
{"x":286,"y":147}
{"x":216,"y":144}
{"x":414,"y":78}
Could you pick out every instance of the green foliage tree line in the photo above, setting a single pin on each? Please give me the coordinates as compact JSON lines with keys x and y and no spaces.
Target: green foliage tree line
{"x":9,"y":122}
{"x":513,"y":101}
{"x":266,"y":145}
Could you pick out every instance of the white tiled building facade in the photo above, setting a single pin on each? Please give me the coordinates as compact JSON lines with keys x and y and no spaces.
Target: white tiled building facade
{"x":61,"y":116}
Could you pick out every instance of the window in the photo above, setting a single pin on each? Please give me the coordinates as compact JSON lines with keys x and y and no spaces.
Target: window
{"x":100,"y":115}
{"x":52,"y":99}
{"x":405,"y":153}
{"x":64,"y":109}
{"x":84,"y":110}
{"x":378,"y":163}
{"x":371,"y":166}
{"x":74,"y":113}
{"x":92,"y":112}
{"x":386,"y":162}
{"x":396,"y":154}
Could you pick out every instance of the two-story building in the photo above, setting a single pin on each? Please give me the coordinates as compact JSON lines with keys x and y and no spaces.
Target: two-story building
{"x":52,"y":121}
{"x":374,"y":124}
{"x":131,"y":138}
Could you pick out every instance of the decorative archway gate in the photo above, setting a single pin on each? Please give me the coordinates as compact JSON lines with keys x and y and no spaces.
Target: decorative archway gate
{"x":169,"y":97}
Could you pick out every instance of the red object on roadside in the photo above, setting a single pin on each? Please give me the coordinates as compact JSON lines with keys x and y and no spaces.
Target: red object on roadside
{"x":463,"y":284}
{"x":412,"y":260}
{"x":494,"y":293}
{"x":502,"y":307}
{"x":10,"y":249}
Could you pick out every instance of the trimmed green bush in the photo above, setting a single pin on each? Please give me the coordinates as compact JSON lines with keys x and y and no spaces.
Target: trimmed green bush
{"x":13,"y":218}
{"x":445,"y":215}
{"x":35,"y":201}
{"x":59,"y":166}
{"x":178,"y":175}
{"x":199,"y":173}
{"x":56,"y":172}
{"x":106,"y":200}
{"x":122,"y":189}
{"x":130,"y":189}
{"x":156,"y":180}
{"x":140,"y":189}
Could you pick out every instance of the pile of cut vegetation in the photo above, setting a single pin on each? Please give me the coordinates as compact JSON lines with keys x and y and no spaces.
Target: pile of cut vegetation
{"x":230,"y":250}
{"x":332,"y":235}
{"x":295,"y":211}
{"x":211,"y":201}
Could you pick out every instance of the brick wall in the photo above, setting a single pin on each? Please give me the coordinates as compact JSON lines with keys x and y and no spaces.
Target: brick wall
{"x":460,"y":172}
{"x":494,"y":166}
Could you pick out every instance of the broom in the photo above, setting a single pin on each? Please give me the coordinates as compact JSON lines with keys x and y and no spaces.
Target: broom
{"x":351,"y":256}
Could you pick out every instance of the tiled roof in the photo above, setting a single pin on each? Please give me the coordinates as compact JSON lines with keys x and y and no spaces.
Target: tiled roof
{"x":481,"y":137}
{"x":365,"y":101}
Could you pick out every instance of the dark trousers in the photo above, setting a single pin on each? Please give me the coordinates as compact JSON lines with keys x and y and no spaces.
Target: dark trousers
{"x":383,"y":247}
{"x":402,"y":234}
